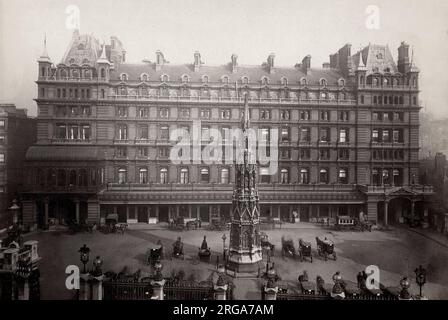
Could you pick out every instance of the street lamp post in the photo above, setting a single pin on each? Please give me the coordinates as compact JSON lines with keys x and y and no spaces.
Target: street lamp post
{"x":84,"y":252}
{"x":420,"y":277}
{"x":224,"y":246}
{"x":15,"y":210}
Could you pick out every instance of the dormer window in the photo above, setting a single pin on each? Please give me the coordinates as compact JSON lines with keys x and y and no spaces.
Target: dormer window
{"x":245,"y":80}
{"x":341,"y":82}
{"x":303,"y":81}
{"x":264,"y":80}
{"x":205,"y":79}
{"x":323,"y":82}
{"x":144,"y":77}
{"x":284,"y":81}
{"x":72,"y":61}
{"x":124,"y":77}
{"x":164,"y":78}
{"x":225,"y":79}
{"x":185,"y":78}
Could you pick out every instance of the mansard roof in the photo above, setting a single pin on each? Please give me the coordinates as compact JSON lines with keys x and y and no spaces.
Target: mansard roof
{"x":83,"y":49}
{"x":376,"y":58}
{"x":216,"y":73}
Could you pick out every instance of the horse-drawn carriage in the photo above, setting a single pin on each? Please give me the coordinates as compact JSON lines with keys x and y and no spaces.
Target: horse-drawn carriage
{"x":181,"y":223}
{"x":218,"y":223}
{"x":288,"y":248}
{"x":178,"y":249}
{"x":305,"y":250}
{"x":155,"y":254}
{"x":265,"y":244}
{"x":325,"y":248}
{"x":204,"y":253}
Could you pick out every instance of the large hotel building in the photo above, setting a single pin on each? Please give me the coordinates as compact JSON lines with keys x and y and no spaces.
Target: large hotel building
{"x":348,"y":136}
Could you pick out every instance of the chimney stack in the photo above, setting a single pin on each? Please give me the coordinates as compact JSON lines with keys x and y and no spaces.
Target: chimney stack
{"x":234,"y":62}
{"x":306,"y":64}
{"x":403,"y":58}
{"x":197,"y":61}
{"x":160,"y":60}
{"x":270,"y":63}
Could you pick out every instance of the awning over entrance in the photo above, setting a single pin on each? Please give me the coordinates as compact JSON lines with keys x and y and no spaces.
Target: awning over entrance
{"x":66,"y":153}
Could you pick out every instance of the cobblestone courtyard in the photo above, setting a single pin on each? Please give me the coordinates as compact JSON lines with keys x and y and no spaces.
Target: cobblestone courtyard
{"x":396,"y":253}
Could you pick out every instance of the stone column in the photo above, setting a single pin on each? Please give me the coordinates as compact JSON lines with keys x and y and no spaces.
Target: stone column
{"x":189,"y":211}
{"x":278,"y":211}
{"x":157,"y":289}
{"x":270,"y":290}
{"x":177,"y":211}
{"x":198,"y":212}
{"x":84,"y":286}
{"x":97,"y":287}
{"x":77,"y":211}
{"x":46,"y":204}
{"x":24,"y":290}
{"x":157,"y":213}
{"x":386,"y":208}
{"x":220,"y":289}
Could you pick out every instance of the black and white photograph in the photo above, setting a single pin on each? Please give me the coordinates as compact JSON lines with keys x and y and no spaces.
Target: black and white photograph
{"x":253,"y":150}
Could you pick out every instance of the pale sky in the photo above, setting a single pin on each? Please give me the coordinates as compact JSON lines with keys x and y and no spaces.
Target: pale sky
{"x":250,"y":28}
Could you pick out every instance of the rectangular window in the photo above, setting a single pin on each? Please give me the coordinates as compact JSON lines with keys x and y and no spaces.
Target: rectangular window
{"x":73,"y":132}
{"x":284,"y":114}
{"x":265,"y":114}
{"x":325,"y":115}
{"x":343,"y":115}
{"x":397,"y":135}
{"x":184,"y":175}
{"x":285,"y":135}
{"x":205,"y":176}
{"x":284,"y":153}
{"x":164,"y":133}
{"x":324,"y":135}
{"x":85,"y":132}
{"x":142,"y":151}
{"x":265,"y":137}
{"x":143,"y":112}
{"x":2,"y":158}
{"x":2,"y":123}
{"x":185,"y":113}
{"x":375,"y":135}
{"x":85,"y":111}
{"x":121,"y":152}
{"x":375,"y":116}
{"x":386,"y":136}
{"x":122,"y":111}
{"x":398,"y":116}
{"x":205,"y":114}
{"x":324,"y":154}
{"x":304,"y":115}
{"x":343,"y":154}
{"x":265,"y":177}
{"x":143,"y":132}
{"x":225,"y":113}
{"x":164,"y":175}
{"x":305,"y":154}
{"x":205,"y":133}
{"x":164,"y":112}
{"x":2,"y":139}
{"x":386,"y":116}
{"x":343,"y":135}
{"x":164,"y":152}
{"x":305,"y":134}
{"x":61,"y":131}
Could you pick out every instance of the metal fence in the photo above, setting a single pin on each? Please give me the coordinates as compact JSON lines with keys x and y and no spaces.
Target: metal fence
{"x":173,"y":290}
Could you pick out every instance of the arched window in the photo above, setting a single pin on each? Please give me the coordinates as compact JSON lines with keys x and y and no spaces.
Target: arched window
{"x":284,"y":81}
{"x":342,"y":176}
{"x":205,"y":79}
{"x":224,"y":176}
{"x":323,"y":176}
{"x":284,"y":176}
{"x":122,"y":176}
{"x":185,"y":78}
{"x":164,"y":78}
{"x":184,"y":176}
{"x":361,"y":80}
{"x":144,"y":77}
{"x":205,"y":177}
{"x":245,"y":80}
{"x":163,"y":175}
{"x":123,"y":77}
{"x":385,"y":82}
{"x":303,"y":81}
{"x":265,"y":80}
{"x":72,"y":178}
{"x":143,"y":175}
{"x":304,"y":176}
{"x":103,"y":73}
{"x":375,"y":82}
{"x":225,"y":79}
{"x":341,"y":82}
{"x":323,"y":82}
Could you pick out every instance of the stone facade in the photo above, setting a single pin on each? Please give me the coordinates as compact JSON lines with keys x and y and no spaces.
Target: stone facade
{"x":347,"y":135}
